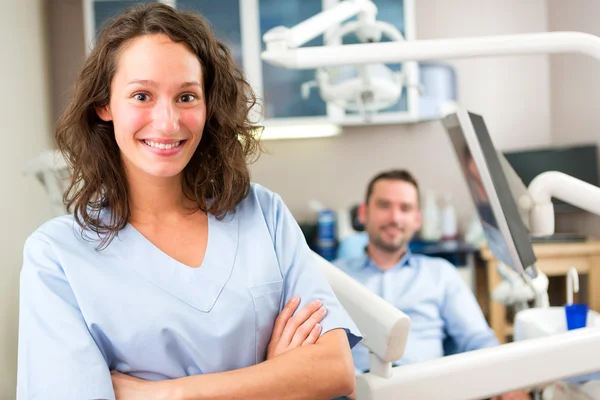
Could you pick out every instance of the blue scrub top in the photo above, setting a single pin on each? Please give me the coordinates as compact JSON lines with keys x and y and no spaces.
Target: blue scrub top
{"x":132,"y":308}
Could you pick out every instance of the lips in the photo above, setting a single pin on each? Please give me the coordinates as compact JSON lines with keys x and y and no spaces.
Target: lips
{"x":393,"y":229}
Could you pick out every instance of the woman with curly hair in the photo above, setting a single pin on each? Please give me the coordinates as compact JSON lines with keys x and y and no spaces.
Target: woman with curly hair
{"x":175,"y":277}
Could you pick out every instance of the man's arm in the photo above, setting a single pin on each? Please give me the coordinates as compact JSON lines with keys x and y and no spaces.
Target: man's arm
{"x":463,"y":319}
{"x":323,"y":370}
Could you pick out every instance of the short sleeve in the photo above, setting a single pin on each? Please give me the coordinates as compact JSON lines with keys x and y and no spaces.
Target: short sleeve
{"x":301,"y":274}
{"x":57,"y":356}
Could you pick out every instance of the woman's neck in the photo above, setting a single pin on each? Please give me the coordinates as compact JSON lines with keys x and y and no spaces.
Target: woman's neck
{"x":155,"y":199}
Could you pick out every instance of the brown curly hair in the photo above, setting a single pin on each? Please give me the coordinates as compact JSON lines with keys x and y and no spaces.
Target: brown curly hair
{"x":217,"y":177}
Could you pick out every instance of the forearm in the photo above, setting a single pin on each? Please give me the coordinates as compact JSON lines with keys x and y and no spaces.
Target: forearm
{"x":320,"y":371}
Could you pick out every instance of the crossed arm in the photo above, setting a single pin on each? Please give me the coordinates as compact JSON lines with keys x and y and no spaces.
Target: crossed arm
{"x":300,"y":365}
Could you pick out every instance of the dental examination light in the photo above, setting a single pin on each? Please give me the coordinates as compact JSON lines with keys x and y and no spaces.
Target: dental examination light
{"x":488,"y":372}
{"x":366,"y":88}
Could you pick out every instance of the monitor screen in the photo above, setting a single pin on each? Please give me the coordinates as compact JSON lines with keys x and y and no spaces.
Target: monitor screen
{"x":505,"y":232}
{"x":580,"y":162}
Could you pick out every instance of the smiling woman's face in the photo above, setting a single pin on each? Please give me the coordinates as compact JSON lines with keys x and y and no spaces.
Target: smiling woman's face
{"x":157,"y":106}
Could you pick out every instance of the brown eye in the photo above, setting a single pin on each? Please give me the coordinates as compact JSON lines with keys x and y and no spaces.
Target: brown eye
{"x":187,"y":98}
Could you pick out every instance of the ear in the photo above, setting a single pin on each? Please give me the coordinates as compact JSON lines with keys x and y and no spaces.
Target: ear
{"x":361,"y":213}
{"x":418,"y":220}
{"x":104,"y":113}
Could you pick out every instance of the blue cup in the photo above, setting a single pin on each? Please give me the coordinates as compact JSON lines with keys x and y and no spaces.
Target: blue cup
{"x":576,"y":315}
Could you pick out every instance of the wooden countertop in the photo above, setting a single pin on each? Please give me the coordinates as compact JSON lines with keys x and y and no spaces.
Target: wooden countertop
{"x":557,"y":249}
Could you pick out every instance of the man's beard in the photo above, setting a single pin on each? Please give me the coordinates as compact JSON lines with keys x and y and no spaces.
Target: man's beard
{"x":389,"y":247}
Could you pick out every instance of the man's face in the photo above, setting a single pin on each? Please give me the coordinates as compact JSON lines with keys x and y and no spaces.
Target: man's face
{"x":392,"y":215}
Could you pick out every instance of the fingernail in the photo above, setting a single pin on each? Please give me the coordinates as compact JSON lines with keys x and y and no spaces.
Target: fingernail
{"x":317,"y":302}
{"x":318,"y":326}
{"x":295,"y":299}
{"x":322,"y":310}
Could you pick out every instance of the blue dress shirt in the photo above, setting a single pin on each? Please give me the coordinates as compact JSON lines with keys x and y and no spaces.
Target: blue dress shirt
{"x":132,"y":308}
{"x":432,"y":293}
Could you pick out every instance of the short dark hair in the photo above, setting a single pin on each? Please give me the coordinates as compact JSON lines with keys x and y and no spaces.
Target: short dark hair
{"x":393,"y":174}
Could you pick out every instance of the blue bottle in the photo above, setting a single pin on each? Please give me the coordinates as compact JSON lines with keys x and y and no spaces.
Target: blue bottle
{"x":326,"y":242}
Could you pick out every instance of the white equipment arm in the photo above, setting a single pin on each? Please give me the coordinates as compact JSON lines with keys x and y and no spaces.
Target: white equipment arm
{"x":279,"y":52}
{"x":320,"y":23}
{"x":489,"y":372}
{"x":564,"y":187}
{"x":383,"y":326}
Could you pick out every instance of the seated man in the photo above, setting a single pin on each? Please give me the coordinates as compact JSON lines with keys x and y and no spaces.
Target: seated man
{"x":442,"y":308}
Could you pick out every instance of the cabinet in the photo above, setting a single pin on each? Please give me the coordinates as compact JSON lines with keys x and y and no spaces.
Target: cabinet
{"x":241,"y":23}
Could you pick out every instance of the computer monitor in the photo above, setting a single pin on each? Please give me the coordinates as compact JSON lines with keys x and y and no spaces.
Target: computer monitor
{"x":504,"y":229}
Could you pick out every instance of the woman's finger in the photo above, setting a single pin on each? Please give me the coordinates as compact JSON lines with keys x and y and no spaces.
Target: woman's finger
{"x":306,"y":328}
{"x":297,"y":320}
{"x":283,"y":317}
{"x":314,"y":335}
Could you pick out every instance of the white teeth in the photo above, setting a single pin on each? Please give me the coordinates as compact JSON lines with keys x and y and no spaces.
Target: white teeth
{"x":162,"y":146}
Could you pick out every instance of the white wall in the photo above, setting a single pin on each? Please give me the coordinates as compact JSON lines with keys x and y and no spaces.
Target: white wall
{"x":512,"y":93}
{"x":24,"y":112}
{"x":575,"y":89}
{"x":67,"y":43}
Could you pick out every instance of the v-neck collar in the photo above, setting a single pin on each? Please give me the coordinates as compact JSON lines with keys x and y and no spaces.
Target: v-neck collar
{"x":198,"y":287}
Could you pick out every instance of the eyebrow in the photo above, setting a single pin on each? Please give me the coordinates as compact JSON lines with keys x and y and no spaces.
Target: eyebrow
{"x":152,"y":83}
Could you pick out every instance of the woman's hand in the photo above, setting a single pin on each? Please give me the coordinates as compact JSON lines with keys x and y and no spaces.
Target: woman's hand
{"x":302,"y":329}
{"x":129,"y":388}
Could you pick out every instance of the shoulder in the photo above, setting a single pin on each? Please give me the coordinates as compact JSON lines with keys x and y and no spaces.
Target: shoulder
{"x":263,"y":211}
{"x":261,"y":202}
{"x":349,"y":265}
{"x":55,"y":230}
{"x":441,"y":269}
{"x":61,"y":235}
{"x":261,"y":197}
{"x":437,"y":263}
{"x":42,"y":248}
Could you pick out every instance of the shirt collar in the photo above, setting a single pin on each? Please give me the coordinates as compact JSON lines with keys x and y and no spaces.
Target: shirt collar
{"x":407,"y":260}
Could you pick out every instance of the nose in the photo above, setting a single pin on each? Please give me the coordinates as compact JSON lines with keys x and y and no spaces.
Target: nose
{"x":166,"y":118}
{"x":396,"y":214}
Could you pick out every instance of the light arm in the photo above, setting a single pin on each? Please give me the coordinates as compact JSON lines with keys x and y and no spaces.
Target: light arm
{"x":282,"y":37}
{"x":422,"y":50}
{"x":563,"y":187}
